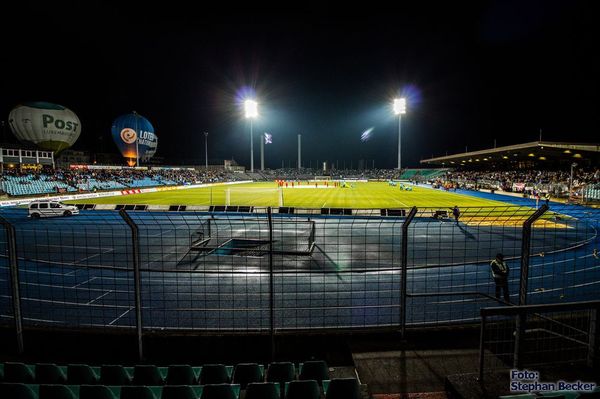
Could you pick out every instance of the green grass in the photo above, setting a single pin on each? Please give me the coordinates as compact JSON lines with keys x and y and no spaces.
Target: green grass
{"x":371,"y":195}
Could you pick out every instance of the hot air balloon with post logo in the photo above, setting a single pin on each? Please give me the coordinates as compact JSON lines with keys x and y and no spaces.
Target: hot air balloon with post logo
{"x":48,"y":126}
{"x":134,"y":136}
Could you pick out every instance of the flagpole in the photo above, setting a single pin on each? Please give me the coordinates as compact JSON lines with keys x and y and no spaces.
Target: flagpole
{"x":262,"y":152}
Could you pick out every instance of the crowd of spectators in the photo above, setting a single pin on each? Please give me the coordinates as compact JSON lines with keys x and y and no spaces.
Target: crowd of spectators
{"x":78,"y":178}
{"x":308,"y":173}
{"x":554,"y":181}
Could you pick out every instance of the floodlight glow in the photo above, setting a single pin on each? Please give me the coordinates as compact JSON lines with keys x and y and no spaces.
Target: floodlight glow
{"x":251,"y":108}
{"x":399,"y":106}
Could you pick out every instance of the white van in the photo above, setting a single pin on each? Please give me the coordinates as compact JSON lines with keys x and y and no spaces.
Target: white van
{"x":48,"y":208}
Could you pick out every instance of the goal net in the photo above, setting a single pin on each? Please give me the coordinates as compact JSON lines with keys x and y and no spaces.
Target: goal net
{"x":257,"y":196}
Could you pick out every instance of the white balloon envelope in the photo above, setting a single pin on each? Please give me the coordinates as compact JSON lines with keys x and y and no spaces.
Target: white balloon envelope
{"x":46,"y":125}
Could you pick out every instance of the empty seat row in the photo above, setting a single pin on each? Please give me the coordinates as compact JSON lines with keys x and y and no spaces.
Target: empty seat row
{"x":242,"y":374}
{"x":344,"y":388}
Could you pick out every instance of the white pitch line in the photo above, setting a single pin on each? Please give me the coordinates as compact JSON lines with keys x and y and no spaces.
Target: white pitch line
{"x":64,"y":287}
{"x":403,"y":203}
{"x":64,"y":302}
{"x":84,"y":282}
{"x":582,"y":270}
{"x":69,"y":246}
{"x":93,"y":256}
{"x":101,"y":296}
{"x":122,"y":314}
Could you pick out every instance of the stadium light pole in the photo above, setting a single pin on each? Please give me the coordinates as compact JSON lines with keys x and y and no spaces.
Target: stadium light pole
{"x":206,"y":150}
{"x":399,"y":109}
{"x":573,"y":165}
{"x":251,"y":108}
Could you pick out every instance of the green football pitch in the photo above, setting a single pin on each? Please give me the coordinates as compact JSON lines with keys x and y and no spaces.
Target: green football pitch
{"x":372,"y":195}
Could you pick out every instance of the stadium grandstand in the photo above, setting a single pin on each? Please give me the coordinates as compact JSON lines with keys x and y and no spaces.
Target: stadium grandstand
{"x":548,"y":154}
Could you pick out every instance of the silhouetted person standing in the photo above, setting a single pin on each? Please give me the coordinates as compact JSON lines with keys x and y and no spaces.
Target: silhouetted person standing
{"x":456,"y":213}
{"x":500,"y":275}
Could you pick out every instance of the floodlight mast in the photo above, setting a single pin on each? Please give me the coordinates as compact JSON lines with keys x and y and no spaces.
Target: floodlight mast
{"x":206,"y":150}
{"x":251,"y":109}
{"x":573,"y":165}
{"x":399,"y":109}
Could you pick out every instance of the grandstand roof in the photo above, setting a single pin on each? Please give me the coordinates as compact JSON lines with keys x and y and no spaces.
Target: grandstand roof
{"x":535,"y":151}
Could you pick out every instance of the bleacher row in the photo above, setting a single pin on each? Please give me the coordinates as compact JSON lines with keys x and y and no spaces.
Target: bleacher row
{"x":282,"y":380}
{"x":28,"y":185}
{"x":411,"y":174}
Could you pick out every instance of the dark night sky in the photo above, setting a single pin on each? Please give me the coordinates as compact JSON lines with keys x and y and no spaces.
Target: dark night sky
{"x":472,"y":73}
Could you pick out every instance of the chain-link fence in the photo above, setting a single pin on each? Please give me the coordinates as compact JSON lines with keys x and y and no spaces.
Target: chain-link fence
{"x":258,"y":270}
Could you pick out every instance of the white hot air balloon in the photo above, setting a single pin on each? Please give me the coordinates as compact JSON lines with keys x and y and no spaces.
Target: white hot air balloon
{"x":48,"y":126}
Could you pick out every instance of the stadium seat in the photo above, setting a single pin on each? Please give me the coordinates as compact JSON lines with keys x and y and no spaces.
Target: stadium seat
{"x":305,"y":389}
{"x":214,"y":374}
{"x":245,"y":373}
{"x":181,"y":375}
{"x":114,"y":375}
{"x":17,"y":391}
{"x":95,"y":392}
{"x":18,"y":372}
{"x":281,"y":372}
{"x":49,"y":374}
{"x":343,"y":388}
{"x":314,"y":370}
{"x":217,"y":391}
{"x":81,"y":374}
{"x":56,"y":392}
{"x":147,"y":375}
{"x":589,"y":395}
{"x":262,"y":390}
{"x":178,"y":392}
{"x":136,"y":392}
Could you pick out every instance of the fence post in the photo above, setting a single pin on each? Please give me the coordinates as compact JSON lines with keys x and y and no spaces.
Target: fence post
{"x":594,"y":331}
{"x":482,"y":346}
{"x":525,"y":249}
{"x":271,"y":293}
{"x":135,"y":247}
{"x":13,"y":265}
{"x":404,"y":273}
{"x":524,"y":281}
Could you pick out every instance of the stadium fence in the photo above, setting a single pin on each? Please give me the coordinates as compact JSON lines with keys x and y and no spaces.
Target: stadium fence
{"x":254,"y":270}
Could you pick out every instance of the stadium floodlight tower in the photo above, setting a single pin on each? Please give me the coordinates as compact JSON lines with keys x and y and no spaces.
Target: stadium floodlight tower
{"x":573,"y":165}
{"x":399,"y":109}
{"x":251,"y":109}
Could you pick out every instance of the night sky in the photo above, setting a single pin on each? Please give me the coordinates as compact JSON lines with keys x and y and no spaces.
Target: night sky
{"x":471,"y":72}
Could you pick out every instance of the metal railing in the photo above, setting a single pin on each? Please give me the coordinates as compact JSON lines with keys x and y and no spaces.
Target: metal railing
{"x":550,"y":334}
{"x":270,"y":271}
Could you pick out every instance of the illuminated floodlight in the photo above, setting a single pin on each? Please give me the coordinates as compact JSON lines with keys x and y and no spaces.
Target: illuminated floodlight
{"x":251,"y":108}
{"x":399,"y":106}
